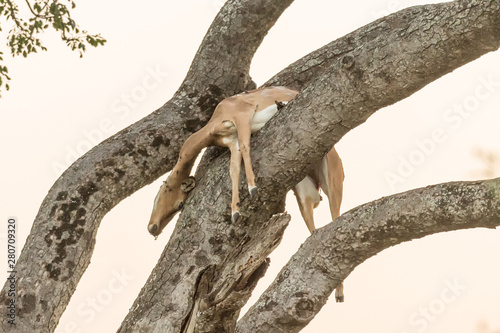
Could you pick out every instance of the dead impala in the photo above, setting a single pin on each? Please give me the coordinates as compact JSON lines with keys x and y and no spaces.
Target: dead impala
{"x":231,"y":125}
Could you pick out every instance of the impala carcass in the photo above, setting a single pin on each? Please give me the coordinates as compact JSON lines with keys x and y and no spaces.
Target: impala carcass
{"x":232,"y":123}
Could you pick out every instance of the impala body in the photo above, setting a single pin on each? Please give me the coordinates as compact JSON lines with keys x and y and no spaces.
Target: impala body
{"x":231,"y":125}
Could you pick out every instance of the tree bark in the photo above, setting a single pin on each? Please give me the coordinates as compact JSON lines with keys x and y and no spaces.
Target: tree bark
{"x":341,"y":86}
{"x":366,"y":77}
{"x":332,"y":252}
{"x":61,"y":241}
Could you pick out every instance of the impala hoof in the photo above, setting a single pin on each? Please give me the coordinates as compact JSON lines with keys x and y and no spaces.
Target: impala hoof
{"x":252,"y":190}
{"x":234,"y":216}
{"x":339,"y":293}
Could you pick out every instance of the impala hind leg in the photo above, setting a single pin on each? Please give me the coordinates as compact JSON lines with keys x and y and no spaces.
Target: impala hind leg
{"x":308,"y":198}
{"x":331,"y":178}
{"x":234,"y":173}
{"x":339,"y":293}
{"x":243,"y":126}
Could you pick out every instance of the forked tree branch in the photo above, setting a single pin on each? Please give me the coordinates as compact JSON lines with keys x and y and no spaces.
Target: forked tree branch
{"x":327,"y":257}
{"x":375,"y":66}
{"x":61,"y":241}
{"x":385,"y":62}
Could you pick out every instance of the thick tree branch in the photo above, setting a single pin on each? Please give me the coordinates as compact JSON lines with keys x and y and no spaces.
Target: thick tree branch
{"x":332,"y":252}
{"x":219,"y":308}
{"x":395,"y":57}
{"x":301,"y":73}
{"x":62,"y":238}
{"x":436,"y":39}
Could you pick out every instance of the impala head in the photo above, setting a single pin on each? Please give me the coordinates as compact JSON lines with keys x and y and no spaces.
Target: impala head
{"x":169,"y":200}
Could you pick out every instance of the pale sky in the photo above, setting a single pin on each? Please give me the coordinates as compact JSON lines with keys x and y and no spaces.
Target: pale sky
{"x":60,"y":105}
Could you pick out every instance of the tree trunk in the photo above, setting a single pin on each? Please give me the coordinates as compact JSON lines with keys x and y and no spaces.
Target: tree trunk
{"x":365,"y":78}
{"x":61,"y":241}
{"x":210,"y":265}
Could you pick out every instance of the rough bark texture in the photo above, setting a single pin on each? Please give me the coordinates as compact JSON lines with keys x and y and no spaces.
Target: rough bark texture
{"x":332,"y":252}
{"x":371,"y":75}
{"x":341,"y":85}
{"x":62,"y":238}
{"x":219,"y":308}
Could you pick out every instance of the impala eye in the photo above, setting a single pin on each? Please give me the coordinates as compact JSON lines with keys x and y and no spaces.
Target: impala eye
{"x":181,"y":205}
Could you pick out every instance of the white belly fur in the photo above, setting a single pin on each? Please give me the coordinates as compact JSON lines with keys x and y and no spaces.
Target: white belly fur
{"x":262,"y":117}
{"x":259,"y":119}
{"x":307,"y":189}
{"x":228,"y":140}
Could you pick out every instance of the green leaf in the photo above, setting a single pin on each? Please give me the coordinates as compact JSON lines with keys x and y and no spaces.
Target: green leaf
{"x":53,"y":8}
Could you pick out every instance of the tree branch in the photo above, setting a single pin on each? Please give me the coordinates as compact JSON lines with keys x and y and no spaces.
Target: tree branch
{"x":332,"y":252}
{"x":302,"y":72}
{"x":375,"y":73}
{"x":238,"y":276}
{"x":62,"y":238}
{"x":395,"y":57}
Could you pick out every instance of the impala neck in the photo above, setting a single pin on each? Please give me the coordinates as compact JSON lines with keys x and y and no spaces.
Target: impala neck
{"x":187,"y":156}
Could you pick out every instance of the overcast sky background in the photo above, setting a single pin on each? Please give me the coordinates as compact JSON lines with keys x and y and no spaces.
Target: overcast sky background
{"x":60,"y":105}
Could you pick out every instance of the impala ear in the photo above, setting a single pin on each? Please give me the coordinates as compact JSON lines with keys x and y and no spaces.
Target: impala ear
{"x":280,"y":105}
{"x":188,"y":184}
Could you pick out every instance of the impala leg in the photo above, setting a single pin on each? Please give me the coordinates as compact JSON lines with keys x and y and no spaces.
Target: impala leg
{"x":243,"y":127}
{"x":331,"y":177}
{"x":308,"y":198}
{"x":339,"y":293}
{"x":234,"y":173}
